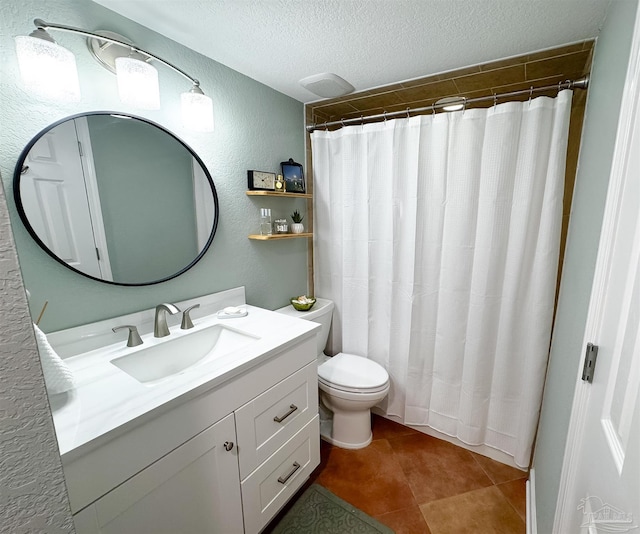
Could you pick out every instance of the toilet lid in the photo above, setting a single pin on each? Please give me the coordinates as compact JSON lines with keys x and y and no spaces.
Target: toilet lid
{"x":352,"y":372}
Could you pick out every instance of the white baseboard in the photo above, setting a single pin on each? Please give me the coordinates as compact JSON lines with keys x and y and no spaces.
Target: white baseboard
{"x":532,"y":526}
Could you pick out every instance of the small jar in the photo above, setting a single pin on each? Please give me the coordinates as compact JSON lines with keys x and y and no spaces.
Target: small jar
{"x":281,"y":226}
{"x":265,"y":221}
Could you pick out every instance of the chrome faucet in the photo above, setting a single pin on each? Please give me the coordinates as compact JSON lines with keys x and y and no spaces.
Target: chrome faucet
{"x":134,"y":338}
{"x":160,"y":328}
{"x":186,"y":318}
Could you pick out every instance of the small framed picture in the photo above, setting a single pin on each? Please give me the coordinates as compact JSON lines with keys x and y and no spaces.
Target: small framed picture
{"x":293,"y":177}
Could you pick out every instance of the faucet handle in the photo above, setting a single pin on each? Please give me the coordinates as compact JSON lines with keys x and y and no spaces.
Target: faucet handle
{"x":134,"y":338}
{"x":186,"y":319}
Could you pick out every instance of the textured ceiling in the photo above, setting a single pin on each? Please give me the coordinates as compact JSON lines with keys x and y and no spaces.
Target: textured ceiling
{"x":368,"y":42}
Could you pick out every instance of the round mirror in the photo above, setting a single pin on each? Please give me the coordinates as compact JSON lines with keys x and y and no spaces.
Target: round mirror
{"x":116,"y":198}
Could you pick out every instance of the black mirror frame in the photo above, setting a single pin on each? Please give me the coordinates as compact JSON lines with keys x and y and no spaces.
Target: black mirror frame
{"x":23,"y":216}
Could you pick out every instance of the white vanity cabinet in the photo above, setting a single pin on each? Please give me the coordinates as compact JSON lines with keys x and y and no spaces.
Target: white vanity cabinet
{"x":194,"y":488}
{"x":223,"y":461}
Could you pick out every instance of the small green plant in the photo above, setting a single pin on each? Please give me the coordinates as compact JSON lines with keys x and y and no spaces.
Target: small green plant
{"x":296,"y":217}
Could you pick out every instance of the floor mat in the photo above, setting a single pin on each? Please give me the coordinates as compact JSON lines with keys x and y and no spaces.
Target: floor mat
{"x":318,"y":511}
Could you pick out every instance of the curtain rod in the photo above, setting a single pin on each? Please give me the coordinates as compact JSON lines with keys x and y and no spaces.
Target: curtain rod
{"x":581,"y":83}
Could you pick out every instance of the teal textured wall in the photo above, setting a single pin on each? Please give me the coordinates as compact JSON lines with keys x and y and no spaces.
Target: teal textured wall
{"x":594,"y":166}
{"x":255,"y":128}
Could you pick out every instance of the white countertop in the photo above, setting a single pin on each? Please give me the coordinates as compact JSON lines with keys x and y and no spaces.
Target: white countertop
{"x":107,"y":400}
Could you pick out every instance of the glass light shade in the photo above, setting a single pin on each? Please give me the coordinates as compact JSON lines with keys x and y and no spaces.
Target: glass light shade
{"x":137,"y":83}
{"x":197,"y":111}
{"x":47,"y":68}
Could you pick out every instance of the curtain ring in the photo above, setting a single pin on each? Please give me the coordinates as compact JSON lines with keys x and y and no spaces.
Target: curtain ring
{"x":568,"y":84}
{"x":342,"y":122}
{"x":433,"y":108}
{"x":530,"y":94}
{"x":384,"y":114}
{"x":408,"y":116}
{"x":464,"y":105}
{"x":495,"y":100}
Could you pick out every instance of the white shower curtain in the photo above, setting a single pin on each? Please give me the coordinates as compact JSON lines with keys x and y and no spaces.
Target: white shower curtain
{"x":437,"y":237}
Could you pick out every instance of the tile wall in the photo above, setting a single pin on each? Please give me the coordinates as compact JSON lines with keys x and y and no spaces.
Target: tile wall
{"x":547,"y":67}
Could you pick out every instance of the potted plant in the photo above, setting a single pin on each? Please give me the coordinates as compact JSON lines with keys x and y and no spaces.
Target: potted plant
{"x":297,"y":227}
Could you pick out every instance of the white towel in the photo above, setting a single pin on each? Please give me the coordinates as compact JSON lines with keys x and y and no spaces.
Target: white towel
{"x":57,"y":375}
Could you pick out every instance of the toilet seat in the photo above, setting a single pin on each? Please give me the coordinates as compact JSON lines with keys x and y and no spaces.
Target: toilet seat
{"x":353,"y":374}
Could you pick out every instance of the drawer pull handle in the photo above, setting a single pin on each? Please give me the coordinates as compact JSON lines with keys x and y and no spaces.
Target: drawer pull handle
{"x":228,"y":445}
{"x":283,"y":480}
{"x":292,"y":409}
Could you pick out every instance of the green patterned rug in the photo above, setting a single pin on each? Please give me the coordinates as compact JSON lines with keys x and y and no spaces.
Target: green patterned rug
{"x":318,"y":511}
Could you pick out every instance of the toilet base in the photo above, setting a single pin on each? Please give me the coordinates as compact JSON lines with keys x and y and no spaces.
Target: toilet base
{"x":345,"y":429}
{"x":325,"y":434}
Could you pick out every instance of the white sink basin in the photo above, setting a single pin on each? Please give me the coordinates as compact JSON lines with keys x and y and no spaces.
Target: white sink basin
{"x":172,"y":355}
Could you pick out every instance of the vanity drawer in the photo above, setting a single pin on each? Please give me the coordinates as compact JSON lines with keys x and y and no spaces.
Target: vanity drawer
{"x":264,"y":424}
{"x":270,"y":486}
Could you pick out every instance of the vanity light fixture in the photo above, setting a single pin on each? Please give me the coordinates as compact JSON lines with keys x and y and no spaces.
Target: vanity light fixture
{"x":197,"y":110}
{"x":47,"y":68}
{"x":452,"y":103}
{"x":137,"y":82}
{"x":137,"y":79}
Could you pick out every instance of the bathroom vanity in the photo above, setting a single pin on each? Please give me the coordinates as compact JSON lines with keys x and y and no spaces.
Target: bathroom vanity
{"x":219,"y":446}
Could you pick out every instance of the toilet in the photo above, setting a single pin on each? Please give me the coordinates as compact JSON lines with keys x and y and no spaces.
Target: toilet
{"x":349,"y":385}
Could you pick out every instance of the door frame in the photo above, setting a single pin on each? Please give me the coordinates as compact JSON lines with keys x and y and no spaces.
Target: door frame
{"x":629,"y":114}
{"x":93,"y":196}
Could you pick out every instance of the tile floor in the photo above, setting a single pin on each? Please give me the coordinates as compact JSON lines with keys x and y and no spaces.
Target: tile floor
{"x":417,"y":484}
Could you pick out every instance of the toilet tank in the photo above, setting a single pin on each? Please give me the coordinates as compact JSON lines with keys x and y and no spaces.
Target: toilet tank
{"x":321,"y":313}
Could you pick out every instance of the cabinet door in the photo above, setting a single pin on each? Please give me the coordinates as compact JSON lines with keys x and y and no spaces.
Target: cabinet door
{"x":193,"y":489}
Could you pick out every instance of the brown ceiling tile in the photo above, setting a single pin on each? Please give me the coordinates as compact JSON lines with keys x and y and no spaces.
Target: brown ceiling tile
{"x":525,"y":86}
{"x":384,"y":89}
{"x":545,"y":68}
{"x":331,"y":101}
{"x":359,"y":114}
{"x":414,"y":106}
{"x":429,"y":91}
{"x":375,"y":101}
{"x":400,"y":108}
{"x":475,"y":82}
{"x":568,"y":66}
{"x":521,"y":86}
{"x":509,"y":62}
{"x":424,"y":80}
{"x":461,"y":72}
{"x":535,"y":56}
{"x":559,"y":51}
{"x":308,"y":113}
{"x":318,"y":119}
{"x":339,"y":108}
{"x":318,"y":115}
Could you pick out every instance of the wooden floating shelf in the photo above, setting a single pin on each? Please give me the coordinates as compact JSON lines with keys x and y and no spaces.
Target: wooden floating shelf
{"x":260,"y":237}
{"x":274,"y":194}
